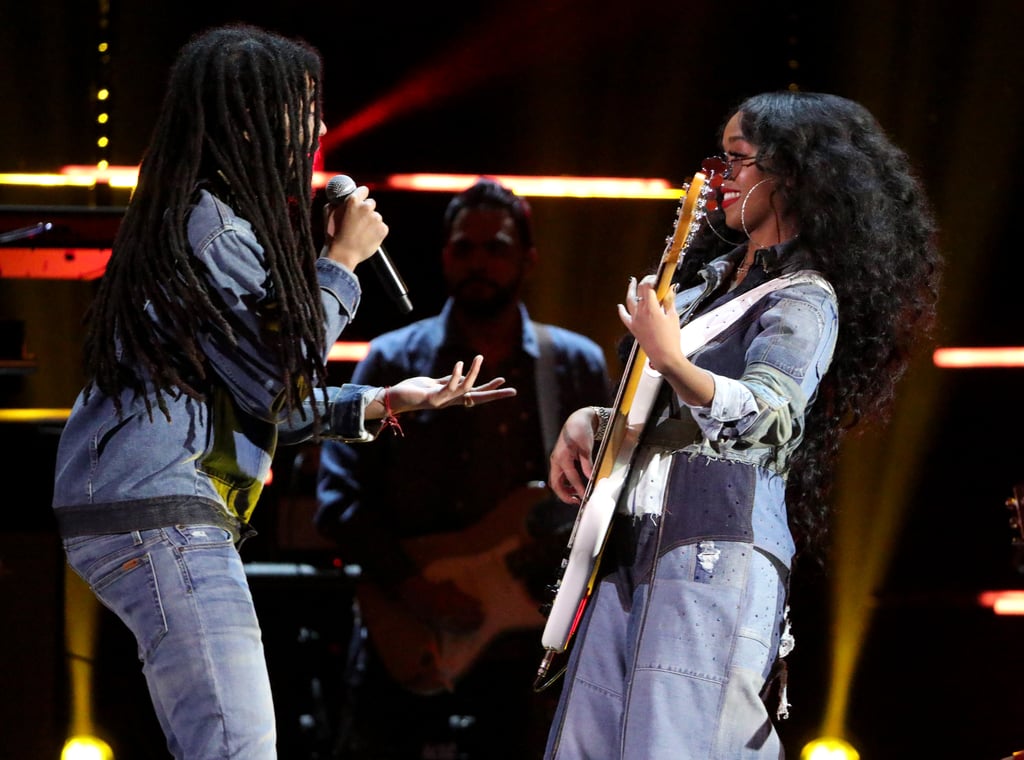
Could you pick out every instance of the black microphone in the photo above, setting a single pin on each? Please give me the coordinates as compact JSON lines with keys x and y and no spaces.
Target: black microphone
{"x":339,"y":187}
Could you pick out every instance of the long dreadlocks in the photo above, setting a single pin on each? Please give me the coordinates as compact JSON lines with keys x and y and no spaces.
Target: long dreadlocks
{"x":235,"y":119}
{"x":866,"y":225}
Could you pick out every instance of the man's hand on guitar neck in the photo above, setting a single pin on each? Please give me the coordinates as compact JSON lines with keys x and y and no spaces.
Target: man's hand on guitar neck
{"x":441,"y":605}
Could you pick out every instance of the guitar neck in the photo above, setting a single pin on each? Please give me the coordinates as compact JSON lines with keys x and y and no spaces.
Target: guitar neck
{"x":633,"y":402}
{"x":605,"y":459}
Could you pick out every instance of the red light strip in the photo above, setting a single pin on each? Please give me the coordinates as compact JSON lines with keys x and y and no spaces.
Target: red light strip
{"x":87,"y":264}
{"x":1003,"y":602}
{"x":125,"y":177}
{"x":959,"y":358}
{"x":54,"y":263}
{"x":551,"y":187}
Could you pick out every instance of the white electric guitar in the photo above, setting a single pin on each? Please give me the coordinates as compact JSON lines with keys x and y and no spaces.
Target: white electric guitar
{"x":637,"y":391}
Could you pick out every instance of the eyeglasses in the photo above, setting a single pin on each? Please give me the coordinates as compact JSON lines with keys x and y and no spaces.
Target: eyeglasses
{"x":726,"y":165}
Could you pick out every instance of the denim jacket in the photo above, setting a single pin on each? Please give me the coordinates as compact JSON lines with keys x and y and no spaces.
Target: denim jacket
{"x":454,"y":469}
{"x":766,"y":368}
{"x":727,"y":465}
{"x":209,"y":461}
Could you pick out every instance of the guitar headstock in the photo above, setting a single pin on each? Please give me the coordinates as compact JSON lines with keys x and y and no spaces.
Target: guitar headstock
{"x":693,"y":207}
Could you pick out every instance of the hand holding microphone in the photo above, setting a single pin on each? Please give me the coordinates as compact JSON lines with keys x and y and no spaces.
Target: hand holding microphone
{"x":338,"y":189}
{"x":353,"y":227}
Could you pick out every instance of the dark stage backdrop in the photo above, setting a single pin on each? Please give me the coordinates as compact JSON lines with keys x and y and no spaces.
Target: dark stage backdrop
{"x":593,"y":88}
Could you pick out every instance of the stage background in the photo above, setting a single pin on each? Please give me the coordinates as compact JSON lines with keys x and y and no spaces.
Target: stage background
{"x":597,"y":88}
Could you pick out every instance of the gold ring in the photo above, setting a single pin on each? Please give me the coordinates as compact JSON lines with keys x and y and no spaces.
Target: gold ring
{"x":468,"y":400}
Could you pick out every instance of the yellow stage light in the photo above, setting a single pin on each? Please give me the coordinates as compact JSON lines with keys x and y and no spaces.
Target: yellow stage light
{"x":86,"y":748}
{"x":829,"y":748}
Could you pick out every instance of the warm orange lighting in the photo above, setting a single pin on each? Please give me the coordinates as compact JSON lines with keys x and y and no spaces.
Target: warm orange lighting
{"x":34,"y":415}
{"x":54,"y":263}
{"x":46,"y":180}
{"x":116,"y":176}
{"x":347,"y":352}
{"x":552,"y":187}
{"x":958,"y":358}
{"x":1003,"y":602}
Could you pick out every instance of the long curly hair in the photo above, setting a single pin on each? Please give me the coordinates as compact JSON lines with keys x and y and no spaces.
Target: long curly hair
{"x":866,"y":224}
{"x":235,"y":119}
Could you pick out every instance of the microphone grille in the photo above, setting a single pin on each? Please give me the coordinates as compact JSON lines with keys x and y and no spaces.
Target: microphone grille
{"x":339,"y":187}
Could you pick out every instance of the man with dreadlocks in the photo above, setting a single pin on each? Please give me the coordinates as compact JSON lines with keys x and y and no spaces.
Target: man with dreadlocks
{"x":825,"y":241}
{"x":206,"y":345}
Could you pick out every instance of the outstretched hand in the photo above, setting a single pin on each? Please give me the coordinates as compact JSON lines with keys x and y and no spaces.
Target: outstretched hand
{"x":455,"y":389}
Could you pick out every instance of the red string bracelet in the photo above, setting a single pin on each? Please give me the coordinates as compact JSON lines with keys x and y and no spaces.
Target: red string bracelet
{"x":389,"y":420}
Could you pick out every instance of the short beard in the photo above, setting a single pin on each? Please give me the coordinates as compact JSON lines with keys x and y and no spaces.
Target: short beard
{"x":486,"y":308}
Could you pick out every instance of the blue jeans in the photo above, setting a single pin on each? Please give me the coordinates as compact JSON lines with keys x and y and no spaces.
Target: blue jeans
{"x":183,"y":593}
{"x":673,"y":669}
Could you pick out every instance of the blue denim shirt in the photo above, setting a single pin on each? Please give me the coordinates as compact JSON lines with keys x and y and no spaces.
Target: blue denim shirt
{"x":453,"y":468}
{"x":209,"y":461}
{"x":726,"y":478}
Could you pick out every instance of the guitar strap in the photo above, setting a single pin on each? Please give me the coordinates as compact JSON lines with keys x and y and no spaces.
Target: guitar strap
{"x":699,"y":331}
{"x":547,"y":388}
{"x":692,"y":336}
{"x":595,"y":515}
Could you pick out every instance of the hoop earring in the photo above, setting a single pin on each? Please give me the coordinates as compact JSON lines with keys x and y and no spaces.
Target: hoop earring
{"x":743,"y":206}
{"x":720,"y":236}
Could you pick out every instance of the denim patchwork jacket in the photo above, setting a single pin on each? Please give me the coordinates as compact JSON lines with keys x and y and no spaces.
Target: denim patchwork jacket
{"x":208,"y":463}
{"x":766,"y":366}
{"x":726,"y":477}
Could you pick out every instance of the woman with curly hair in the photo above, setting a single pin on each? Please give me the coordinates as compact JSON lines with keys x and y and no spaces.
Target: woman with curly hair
{"x":731,"y":474}
{"x":206,"y":347}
